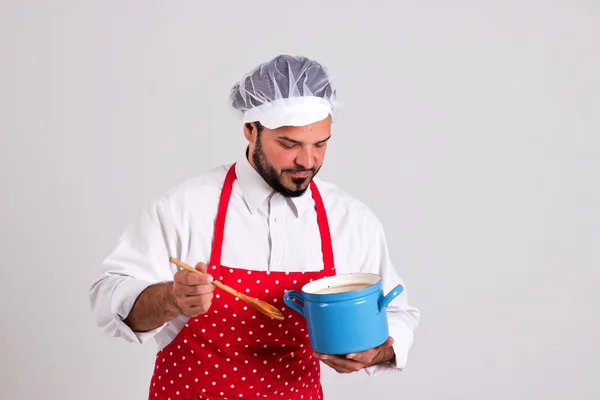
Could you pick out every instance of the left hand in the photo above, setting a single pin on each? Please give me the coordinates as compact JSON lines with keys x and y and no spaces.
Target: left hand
{"x":356,"y":361}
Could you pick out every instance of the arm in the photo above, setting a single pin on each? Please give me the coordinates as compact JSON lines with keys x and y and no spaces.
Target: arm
{"x":189,"y":294}
{"x":403,"y":318}
{"x":128,"y":286}
{"x":154,"y":307}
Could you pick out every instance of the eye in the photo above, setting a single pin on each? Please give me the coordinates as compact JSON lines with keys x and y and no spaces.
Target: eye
{"x":319,"y":145}
{"x":287,"y":145}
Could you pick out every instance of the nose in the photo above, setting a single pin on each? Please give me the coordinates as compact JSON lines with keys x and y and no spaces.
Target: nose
{"x":305,"y":158}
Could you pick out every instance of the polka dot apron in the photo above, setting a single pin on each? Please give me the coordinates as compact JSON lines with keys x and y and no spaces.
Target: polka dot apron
{"x":235,"y":352}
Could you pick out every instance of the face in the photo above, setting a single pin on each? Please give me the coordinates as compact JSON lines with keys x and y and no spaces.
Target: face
{"x":288,"y":158}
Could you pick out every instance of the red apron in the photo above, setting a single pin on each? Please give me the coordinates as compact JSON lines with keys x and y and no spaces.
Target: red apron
{"x":235,"y":352}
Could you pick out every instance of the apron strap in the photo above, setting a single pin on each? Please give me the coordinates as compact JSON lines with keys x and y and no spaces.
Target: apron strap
{"x":219,"y":231}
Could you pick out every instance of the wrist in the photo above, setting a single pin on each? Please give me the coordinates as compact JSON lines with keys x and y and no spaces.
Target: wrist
{"x":172,"y":304}
{"x":385,"y":355}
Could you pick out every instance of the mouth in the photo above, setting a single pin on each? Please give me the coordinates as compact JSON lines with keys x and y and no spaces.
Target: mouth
{"x":299,"y":174}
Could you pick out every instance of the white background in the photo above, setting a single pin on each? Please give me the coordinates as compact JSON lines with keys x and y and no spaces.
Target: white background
{"x":470,"y":128}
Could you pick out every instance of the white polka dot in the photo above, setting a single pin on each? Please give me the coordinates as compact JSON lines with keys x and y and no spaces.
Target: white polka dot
{"x":250,"y":332}
{"x":247,"y":290}
{"x":257,"y":281}
{"x":239,"y":281}
{"x":214,"y":383}
{"x":249,"y":272}
{"x":231,"y":270}
{"x":214,"y":267}
{"x":295,"y":281}
{"x":277,"y":282}
{"x":266,"y":290}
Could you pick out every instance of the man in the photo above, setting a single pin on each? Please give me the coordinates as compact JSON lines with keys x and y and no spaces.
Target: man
{"x":262,"y":225}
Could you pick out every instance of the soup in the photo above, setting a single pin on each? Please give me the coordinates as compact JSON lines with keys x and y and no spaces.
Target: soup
{"x":342,"y":288}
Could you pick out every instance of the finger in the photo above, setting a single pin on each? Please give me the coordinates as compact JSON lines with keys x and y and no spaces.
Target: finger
{"x":336,"y":367}
{"x":340,"y":363}
{"x":196,"y":290}
{"x":363,"y":357}
{"x":368,"y":355}
{"x":192,"y":278}
{"x":202,"y":267}
{"x":201,"y":303}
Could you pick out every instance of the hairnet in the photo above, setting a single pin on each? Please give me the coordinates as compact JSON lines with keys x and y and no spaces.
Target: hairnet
{"x":286,"y":91}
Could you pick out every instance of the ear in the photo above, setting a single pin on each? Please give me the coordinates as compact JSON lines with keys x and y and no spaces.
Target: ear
{"x":250,"y":132}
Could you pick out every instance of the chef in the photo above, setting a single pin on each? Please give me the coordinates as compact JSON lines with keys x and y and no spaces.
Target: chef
{"x":263,"y":225}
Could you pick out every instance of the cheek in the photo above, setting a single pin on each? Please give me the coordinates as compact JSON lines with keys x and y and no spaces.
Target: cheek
{"x":279,"y":157}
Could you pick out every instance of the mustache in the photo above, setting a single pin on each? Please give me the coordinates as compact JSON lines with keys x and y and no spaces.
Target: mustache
{"x":299,"y":169}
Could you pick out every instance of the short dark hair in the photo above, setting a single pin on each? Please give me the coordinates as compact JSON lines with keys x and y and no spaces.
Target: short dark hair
{"x":259,"y":127}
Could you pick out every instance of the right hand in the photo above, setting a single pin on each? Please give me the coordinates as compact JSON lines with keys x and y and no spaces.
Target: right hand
{"x":193,"y":292}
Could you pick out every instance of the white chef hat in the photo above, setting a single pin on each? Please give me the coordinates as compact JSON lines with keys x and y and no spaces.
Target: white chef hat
{"x":286,"y":91}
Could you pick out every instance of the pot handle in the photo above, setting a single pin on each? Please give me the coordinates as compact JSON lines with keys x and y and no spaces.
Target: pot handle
{"x":293,"y":294}
{"x":385,"y":301}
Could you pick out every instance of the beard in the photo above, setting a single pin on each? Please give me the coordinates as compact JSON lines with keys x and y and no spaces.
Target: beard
{"x":274,"y":179}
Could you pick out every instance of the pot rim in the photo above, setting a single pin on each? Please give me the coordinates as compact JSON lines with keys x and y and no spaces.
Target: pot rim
{"x":373,"y":280}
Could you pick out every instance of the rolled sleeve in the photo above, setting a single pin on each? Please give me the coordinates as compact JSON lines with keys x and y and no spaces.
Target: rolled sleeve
{"x":140,"y":259}
{"x":403,"y":318}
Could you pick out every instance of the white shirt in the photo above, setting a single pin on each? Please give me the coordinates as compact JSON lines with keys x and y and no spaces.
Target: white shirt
{"x":263,"y":231}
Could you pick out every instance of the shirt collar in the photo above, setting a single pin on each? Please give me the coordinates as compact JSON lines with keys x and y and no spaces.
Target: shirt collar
{"x":255,"y":190}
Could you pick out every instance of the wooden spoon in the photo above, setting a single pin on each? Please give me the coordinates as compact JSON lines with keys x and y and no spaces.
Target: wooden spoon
{"x":265,"y":308}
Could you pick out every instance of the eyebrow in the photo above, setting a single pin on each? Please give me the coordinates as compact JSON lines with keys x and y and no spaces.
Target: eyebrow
{"x":298,"y":142}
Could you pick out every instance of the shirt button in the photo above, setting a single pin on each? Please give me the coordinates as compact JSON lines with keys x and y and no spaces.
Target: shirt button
{"x":276,"y":219}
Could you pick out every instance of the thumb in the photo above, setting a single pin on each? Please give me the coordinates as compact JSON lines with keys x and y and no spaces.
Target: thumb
{"x":388,"y":343}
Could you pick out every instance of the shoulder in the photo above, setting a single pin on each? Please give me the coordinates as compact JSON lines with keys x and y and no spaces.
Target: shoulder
{"x":345,"y":205}
{"x":201,"y":189}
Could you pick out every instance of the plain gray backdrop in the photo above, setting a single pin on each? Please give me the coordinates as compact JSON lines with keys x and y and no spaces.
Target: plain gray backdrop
{"x":470,"y":128}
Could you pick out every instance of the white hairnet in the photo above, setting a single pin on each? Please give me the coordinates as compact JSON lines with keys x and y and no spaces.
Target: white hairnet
{"x":286,"y":91}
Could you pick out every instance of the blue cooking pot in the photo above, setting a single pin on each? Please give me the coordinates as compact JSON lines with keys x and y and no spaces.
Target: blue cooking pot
{"x":344,"y":313}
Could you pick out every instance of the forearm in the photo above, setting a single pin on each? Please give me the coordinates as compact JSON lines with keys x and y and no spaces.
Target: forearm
{"x":155,"y":306}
